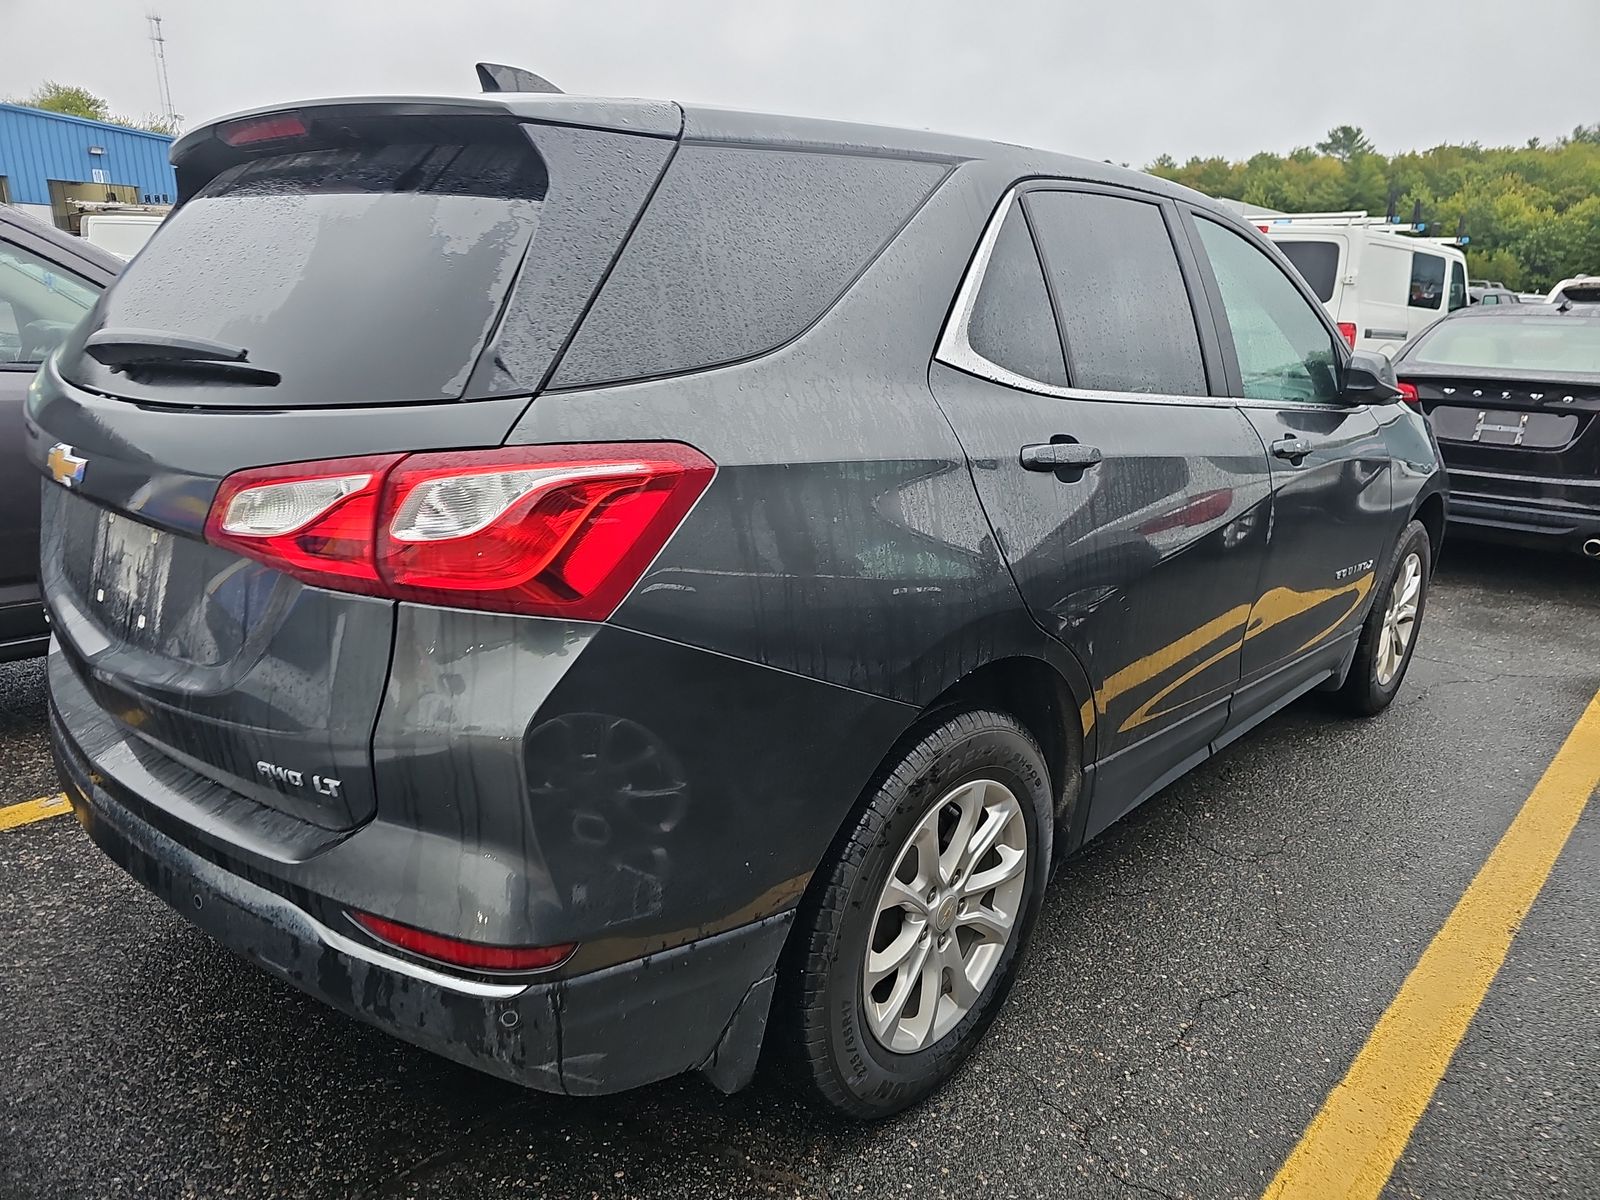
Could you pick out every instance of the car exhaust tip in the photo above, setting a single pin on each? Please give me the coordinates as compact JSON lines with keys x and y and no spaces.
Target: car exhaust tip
{"x":1591,"y":548}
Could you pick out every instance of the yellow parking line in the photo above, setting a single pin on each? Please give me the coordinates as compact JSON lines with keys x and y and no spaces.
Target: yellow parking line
{"x":1353,"y":1143}
{"x":30,"y":811}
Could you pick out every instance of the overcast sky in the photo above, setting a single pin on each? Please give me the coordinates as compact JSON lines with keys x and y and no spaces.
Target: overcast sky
{"x":1118,"y":79}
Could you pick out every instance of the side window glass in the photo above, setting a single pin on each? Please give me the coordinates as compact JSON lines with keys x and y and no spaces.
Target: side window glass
{"x":1285,"y":352}
{"x":39,"y":305}
{"x":1124,"y":310}
{"x":1427,"y":280}
{"x":1011,"y":324}
{"x":1458,"y":286}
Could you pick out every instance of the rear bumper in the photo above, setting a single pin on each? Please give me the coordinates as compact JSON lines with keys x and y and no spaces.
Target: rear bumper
{"x":1550,"y":525}
{"x":700,"y":1006}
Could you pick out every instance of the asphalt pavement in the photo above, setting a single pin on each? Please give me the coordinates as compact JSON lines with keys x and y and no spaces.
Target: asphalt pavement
{"x":1202,"y":975}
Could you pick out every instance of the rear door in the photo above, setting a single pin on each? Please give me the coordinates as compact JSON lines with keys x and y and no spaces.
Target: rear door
{"x":1331,"y":521}
{"x":365,"y":268}
{"x":1129,"y":503}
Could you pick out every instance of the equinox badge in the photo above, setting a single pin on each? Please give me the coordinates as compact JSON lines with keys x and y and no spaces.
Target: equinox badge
{"x":66,"y":468}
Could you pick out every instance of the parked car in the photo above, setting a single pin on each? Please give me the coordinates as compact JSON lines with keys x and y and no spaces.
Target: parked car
{"x":1512,"y":395}
{"x":1381,"y":286}
{"x":1580,"y":289}
{"x":48,"y":281}
{"x":593,"y":587}
{"x":1492,"y":296}
{"x":1486,"y":283}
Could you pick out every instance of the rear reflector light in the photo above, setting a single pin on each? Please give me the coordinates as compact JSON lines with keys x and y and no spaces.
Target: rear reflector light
{"x":549,"y":530}
{"x":263,"y":129}
{"x":1348,"y":332}
{"x":458,"y":953}
{"x":1408,"y":393}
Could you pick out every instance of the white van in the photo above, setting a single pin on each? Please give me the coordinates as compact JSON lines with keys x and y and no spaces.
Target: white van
{"x":1381,"y":285}
{"x":123,"y":234}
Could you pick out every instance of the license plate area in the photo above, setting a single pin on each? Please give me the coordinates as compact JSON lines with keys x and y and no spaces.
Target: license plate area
{"x":128,"y":583}
{"x":1502,"y":427}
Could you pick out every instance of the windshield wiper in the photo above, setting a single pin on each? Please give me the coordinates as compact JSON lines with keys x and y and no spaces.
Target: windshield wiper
{"x":155,"y":349}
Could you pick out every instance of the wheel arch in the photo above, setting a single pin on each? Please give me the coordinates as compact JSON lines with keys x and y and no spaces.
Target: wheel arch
{"x":1430,"y":510}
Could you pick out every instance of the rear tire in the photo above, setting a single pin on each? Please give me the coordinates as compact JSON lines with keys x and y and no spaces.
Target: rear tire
{"x":1389,"y":636}
{"x":914,"y":882}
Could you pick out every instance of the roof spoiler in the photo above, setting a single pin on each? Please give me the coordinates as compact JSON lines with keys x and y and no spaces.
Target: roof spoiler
{"x":493,"y":77}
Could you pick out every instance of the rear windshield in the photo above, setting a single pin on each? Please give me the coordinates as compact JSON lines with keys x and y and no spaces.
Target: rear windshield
{"x":1318,"y":262}
{"x":1547,"y":344}
{"x":374,"y":267}
{"x":369,"y":273}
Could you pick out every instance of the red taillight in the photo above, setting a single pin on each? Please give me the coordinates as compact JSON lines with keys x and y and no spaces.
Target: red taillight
{"x":457,"y":953}
{"x":1348,"y":331}
{"x":263,"y":129}
{"x":550,"y":530}
{"x":314,"y":521}
{"x":1408,"y":393}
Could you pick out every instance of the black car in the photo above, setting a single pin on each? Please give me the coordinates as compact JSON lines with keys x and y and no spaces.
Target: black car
{"x":600,"y":587}
{"x":1512,"y":394}
{"x":48,"y":282}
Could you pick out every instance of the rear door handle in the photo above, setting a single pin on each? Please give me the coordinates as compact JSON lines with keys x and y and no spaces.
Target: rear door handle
{"x":1292,"y":448}
{"x":1052,"y":456}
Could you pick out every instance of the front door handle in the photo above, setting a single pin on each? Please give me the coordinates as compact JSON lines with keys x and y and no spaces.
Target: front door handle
{"x":1053,"y":456}
{"x":1293,"y":448}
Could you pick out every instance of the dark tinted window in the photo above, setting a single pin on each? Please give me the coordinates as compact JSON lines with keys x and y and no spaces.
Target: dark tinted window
{"x":1126,"y":315}
{"x":738,"y":252}
{"x":1285,"y":352}
{"x":1458,"y":286}
{"x":372,"y":266}
{"x":1427,"y":280}
{"x":362,"y":274}
{"x":1011,"y":324}
{"x":1318,"y":262}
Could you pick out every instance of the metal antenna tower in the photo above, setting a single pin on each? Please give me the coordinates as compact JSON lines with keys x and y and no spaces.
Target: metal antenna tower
{"x":158,"y":46}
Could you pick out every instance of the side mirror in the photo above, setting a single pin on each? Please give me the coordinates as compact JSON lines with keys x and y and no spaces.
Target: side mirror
{"x":1369,"y":379}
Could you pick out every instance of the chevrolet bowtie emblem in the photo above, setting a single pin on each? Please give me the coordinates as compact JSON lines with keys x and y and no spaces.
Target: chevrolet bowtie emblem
{"x":66,"y":468}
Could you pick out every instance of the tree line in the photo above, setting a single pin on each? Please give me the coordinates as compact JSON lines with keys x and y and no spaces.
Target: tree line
{"x":1532,"y":212}
{"x":73,"y":101}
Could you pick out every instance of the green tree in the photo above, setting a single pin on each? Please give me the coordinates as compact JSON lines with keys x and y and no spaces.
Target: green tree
{"x":73,"y":101}
{"x":1532,"y":211}
{"x":68,"y":100}
{"x":1346,"y":142}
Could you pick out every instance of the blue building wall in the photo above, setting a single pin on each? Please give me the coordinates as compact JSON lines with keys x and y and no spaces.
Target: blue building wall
{"x":37,"y":146}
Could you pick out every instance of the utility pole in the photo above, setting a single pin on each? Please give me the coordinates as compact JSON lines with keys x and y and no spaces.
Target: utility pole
{"x":158,"y":46}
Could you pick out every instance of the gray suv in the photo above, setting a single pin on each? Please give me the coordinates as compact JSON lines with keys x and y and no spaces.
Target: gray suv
{"x":597,"y":588}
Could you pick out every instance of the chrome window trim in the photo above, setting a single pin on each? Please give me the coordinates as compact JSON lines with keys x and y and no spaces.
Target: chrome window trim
{"x":955,"y":349}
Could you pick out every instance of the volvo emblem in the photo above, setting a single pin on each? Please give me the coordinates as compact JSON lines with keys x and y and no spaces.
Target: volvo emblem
{"x":66,"y":468}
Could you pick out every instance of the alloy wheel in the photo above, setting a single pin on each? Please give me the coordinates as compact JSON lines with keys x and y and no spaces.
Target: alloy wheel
{"x":1400,"y":621}
{"x":945,"y":915}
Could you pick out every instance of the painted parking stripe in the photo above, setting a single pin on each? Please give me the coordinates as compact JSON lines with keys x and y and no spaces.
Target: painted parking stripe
{"x":29,"y":811}
{"x":1351,"y":1146}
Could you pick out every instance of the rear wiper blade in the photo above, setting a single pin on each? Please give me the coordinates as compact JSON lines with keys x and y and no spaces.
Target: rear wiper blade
{"x":131,"y":347}
{"x":123,"y":349}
